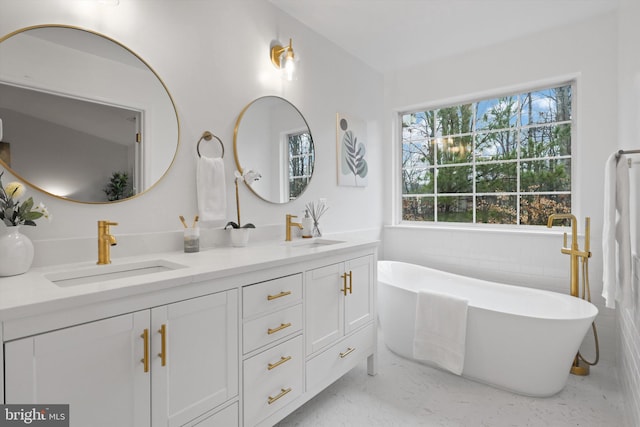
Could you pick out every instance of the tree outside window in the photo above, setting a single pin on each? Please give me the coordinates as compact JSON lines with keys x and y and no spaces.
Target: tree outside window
{"x":504,"y":160}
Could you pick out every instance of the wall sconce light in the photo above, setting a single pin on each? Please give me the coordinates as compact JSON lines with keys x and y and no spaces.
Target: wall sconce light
{"x":278,"y":53}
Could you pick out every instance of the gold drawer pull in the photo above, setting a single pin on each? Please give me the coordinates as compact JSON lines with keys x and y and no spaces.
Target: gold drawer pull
{"x":163,"y":346}
{"x":279,"y":328}
{"x":280,"y":295}
{"x":145,"y":358}
{"x":283,"y":391}
{"x":283,"y":359}
{"x":348,"y":352}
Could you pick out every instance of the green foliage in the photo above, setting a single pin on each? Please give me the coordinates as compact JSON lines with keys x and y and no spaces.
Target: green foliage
{"x":520,"y":144}
{"x":14,"y":213}
{"x":118,"y":187}
{"x":233,"y":224}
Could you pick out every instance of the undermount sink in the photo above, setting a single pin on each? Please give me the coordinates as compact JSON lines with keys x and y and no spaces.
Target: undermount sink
{"x":103,"y":273}
{"x":314,"y":243}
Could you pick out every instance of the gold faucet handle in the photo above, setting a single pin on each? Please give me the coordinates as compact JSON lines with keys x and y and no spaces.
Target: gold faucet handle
{"x":587,"y":235}
{"x":289,"y":216}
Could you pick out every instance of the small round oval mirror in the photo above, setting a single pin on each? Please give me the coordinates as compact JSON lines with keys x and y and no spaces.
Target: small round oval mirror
{"x":85,"y":119}
{"x":272,"y":138}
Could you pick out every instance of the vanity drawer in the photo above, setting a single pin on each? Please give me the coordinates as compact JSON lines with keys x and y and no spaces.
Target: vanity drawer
{"x":267,"y":329}
{"x":338,"y":359}
{"x":272,"y":379}
{"x":226,"y":417}
{"x":271,"y":295}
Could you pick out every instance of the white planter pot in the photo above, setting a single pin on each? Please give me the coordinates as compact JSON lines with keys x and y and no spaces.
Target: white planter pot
{"x":240,"y":236}
{"x":16,"y":252}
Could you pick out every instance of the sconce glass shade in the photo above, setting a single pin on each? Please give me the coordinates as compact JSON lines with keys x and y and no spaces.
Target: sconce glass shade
{"x":277,"y":53}
{"x":289,"y":66}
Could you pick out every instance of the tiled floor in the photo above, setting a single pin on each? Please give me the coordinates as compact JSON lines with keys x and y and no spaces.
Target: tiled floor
{"x":406,"y":393}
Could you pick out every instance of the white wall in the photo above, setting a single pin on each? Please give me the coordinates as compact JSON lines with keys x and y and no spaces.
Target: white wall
{"x":585,"y":51}
{"x":629,"y":138}
{"x":214,"y":58}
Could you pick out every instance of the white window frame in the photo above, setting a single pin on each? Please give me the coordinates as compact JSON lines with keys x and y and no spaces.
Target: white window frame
{"x":397,"y":189}
{"x":284,"y":159}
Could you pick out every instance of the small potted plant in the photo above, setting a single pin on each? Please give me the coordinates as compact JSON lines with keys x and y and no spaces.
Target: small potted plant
{"x":16,"y":249}
{"x":118,"y":187}
{"x":239,"y":232}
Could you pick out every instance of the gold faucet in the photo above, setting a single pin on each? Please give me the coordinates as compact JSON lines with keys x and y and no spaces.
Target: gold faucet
{"x":105,"y":241}
{"x":574,"y":251}
{"x":578,"y":367}
{"x":291,"y":224}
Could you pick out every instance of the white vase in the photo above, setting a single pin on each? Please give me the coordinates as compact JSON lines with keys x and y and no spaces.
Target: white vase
{"x":16,"y":252}
{"x":239,"y":237}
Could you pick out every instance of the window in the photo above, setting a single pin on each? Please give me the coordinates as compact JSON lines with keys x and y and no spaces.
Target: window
{"x":300,"y":156}
{"x":503,"y":160}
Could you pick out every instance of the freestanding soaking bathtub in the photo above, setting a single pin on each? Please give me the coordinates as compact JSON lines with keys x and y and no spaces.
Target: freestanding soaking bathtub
{"x":519,"y":339}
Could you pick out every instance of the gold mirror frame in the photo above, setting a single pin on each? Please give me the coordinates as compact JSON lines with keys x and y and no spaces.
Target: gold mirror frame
{"x":265,"y":171}
{"x":172,"y":108}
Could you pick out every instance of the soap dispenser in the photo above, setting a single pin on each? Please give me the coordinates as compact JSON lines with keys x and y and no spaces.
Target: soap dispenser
{"x":307,"y":225}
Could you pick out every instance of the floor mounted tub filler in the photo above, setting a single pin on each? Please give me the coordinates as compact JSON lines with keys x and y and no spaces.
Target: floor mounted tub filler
{"x":518,"y":339}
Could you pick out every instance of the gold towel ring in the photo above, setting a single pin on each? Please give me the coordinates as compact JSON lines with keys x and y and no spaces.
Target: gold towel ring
{"x":207,"y":137}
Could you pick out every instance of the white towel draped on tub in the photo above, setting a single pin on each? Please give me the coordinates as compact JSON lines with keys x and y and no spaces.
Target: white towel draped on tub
{"x":210,"y":187}
{"x":440,"y":330}
{"x":616,"y":233}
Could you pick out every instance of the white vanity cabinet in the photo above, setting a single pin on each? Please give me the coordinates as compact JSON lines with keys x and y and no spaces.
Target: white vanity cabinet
{"x":340,"y":326}
{"x":339,"y":300}
{"x":163,"y":367}
{"x":273,"y":368}
{"x":208,"y":345}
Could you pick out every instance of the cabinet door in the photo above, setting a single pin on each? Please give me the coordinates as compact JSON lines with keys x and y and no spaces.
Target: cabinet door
{"x":200,"y":355}
{"x":359,"y":302}
{"x":95,"y":368}
{"x":324,"y":306}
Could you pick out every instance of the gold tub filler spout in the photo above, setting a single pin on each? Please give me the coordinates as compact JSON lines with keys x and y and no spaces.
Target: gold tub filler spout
{"x":578,"y":258}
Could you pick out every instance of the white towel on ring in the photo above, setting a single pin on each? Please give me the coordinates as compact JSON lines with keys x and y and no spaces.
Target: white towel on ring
{"x":616,"y":231}
{"x":440,"y":330}
{"x":211,"y":192}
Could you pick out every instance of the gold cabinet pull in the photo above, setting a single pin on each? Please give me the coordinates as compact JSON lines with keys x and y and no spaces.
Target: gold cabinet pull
{"x":280,"y":295}
{"x":348,"y":352}
{"x":145,"y":359}
{"x":283,"y":391}
{"x":279,"y":328}
{"x":283,"y":359}
{"x":346,"y":288}
{"x":344,"y":284}
{"x":163,"y":344}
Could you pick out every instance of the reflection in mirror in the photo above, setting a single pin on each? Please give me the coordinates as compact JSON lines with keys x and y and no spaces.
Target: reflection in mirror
{"x":80,"y":113}
{"x":273,"y":138}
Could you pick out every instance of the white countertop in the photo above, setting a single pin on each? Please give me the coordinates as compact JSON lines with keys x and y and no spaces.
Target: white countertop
{"x":29,"y":292}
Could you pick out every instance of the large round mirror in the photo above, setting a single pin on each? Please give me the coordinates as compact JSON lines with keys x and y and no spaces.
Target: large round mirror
{"x":272,"y":138}
{"x":83,"y":117}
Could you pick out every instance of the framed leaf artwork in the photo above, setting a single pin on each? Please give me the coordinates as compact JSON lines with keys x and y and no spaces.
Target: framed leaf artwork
{"x":351,"y":138}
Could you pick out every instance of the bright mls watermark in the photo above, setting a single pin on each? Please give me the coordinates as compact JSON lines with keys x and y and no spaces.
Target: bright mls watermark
{"x":34,"y":415}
